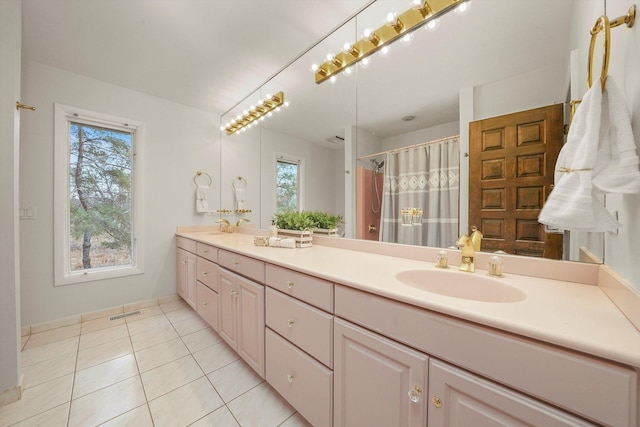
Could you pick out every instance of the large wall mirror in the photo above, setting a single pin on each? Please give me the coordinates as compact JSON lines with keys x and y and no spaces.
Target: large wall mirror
{"x":473,"y":66}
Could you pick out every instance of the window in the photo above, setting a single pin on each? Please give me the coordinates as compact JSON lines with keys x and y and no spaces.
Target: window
{"x":97,"y":196}
{"x":289,"y":173}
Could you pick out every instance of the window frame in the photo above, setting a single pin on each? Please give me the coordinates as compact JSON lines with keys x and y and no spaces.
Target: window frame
{"x":288,"y":158}
{"x":63,"y":116}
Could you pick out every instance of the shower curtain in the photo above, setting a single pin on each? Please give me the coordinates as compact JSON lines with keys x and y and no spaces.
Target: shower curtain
{"x":427,"y":178}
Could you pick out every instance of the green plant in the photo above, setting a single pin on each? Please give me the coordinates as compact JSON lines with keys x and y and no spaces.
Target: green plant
{"x":293,"y":220}
{"x":325,"y":220}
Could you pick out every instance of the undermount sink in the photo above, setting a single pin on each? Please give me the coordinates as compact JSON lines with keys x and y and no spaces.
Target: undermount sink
{"x":471,"y":286}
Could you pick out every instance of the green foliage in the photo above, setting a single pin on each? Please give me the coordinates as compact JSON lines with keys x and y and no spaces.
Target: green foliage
{"x":286,"y":187}
{"x":306,"y":220}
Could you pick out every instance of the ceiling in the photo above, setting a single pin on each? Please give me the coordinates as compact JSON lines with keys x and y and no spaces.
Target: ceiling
{"x":207,"y":54}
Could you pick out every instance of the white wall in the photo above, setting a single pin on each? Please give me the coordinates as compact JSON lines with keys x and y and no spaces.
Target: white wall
{"x":622,"y":250}
{"x":423,"y":135}
{"x":319,"y":173}
{"x":10,"y":42}
{"x":179,"y":141}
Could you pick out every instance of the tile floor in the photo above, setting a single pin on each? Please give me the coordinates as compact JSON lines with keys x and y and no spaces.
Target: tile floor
{"x":164,"y":367}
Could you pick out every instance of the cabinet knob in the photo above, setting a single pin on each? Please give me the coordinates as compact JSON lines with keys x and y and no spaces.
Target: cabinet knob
{"x":205,"y":303}
{"x":290,"y":285}
{"x":233,"y":293}
{"x":437,"y":402}
{"x":236,"y":263}
{"x":204,"y":273}
{"x":415,"y":393}
{"x":291,"y":322}
{"x":290,"y":378}
{"x":206,"y":251}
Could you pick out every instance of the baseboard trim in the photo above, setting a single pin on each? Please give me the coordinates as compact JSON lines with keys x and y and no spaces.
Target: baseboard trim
{"x":11,"y":395}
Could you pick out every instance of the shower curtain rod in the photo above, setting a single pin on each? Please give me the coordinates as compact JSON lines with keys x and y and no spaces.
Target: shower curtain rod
{"x":397,"y":150}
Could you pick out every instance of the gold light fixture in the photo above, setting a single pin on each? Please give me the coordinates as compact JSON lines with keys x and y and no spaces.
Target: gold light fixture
{"x":259,"y":112}
{"x":396,"y":27}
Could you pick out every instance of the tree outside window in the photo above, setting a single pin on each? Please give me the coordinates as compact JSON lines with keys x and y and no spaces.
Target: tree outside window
{"x":287,"y":186}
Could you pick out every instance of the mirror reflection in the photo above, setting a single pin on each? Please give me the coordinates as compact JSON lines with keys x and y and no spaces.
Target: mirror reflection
{"x":353,"y":142}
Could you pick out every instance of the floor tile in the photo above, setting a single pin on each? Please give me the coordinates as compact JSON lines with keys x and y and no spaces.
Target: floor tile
{"x":182,"y":314}
{"x":103,"y":336}
{"x":104,"y":352}
{"x":170,"y":376}
{"x":215,"y":357}
{"x":160,"y":354}
{"x":37,"y":399}
{"x":144,"y":325}
{"x":103,"y":375}
{"x":107,"y":403}
{"x":48,"y":370}
{"x":260,"y":407}
{"x":99,"y":324}
{"x":201,"y":339}
{"x":53,"y":335}
{"x":221,"y":417}
{"x":138,"y":417}
{"x":189,"y":326}
{"x":234,"y":380}
{"x":56,"y":417}
{"x":185,"y":405}
{"x":153,"y":337}
{"x":296,"y":420}
{"x":49,"y":351}
{"x":174,"y":305}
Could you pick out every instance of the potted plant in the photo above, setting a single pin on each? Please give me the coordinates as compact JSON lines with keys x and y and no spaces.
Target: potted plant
{"x":297,"y":225}
{"x":325,"y":223}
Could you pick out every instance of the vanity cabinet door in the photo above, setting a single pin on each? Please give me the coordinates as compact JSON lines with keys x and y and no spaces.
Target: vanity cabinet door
{"x":227,"y":307}
{"x":181,"y":272}
{"x":250,"y":323}
{"x":207,"y":300}
{"x":460,"y":399}
{"x":190,"y":282}
{"x":377,"y":382}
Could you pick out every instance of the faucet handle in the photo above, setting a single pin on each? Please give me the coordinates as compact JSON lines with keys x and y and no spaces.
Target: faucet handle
{"x":496,"y":265}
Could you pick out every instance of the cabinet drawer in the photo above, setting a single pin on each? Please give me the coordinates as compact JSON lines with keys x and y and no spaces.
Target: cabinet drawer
{"x":207,"y":273}
{"x":186,"y":244}
{"x":207,"y":305}
{"x":242,"y":265}
{"x":561,"y":377}
{"x":312,"y":290}
{"x":303,"y":382}
{"x":206,"y":251}
{"x":305,"y":326}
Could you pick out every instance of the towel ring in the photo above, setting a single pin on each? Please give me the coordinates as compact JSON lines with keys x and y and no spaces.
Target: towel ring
{"x":198,"y":173}
{"x":241,"y":180}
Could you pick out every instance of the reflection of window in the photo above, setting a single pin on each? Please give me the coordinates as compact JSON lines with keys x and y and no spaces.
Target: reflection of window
{"x":96,"y":234}
{"x":288,"y":184}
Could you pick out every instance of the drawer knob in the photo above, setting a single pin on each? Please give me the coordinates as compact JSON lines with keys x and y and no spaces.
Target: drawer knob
{"x":437,"y":402}
{"x":234,"y":293}
{"x":206,"y":251}
{"x":235,"y":264}
{"x":415,"y":394}
{"x":290,"y":285}
{"x":291,"y":322}
{"x":290,"y":378}
{"x":204,"y":273}
{"x":205,"y":303}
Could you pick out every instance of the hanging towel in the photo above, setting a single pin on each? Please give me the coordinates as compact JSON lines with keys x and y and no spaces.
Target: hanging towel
{"x":574,"y":204}
{"x":202,"y":206}
{"x":240,"y":198}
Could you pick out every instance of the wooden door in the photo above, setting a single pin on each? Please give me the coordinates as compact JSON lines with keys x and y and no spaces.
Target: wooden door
{"x":511,"y":167}
{"x":460,"y":399}
{"x":250,"y":327}
{"x":227,"y":307}
{"x":373,"y":379}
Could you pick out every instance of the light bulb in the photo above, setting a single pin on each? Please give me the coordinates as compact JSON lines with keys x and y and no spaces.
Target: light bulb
{"x":346,"y":46}
{"x":463,"y":7}
{"x":384,"y":50}
{"x":314,"y":67}
{"x":332,"y":79}
{"x":433,"y":24}
{"x":348,"y":70}
{"x":407,"y":38}
{"x":252,"y":107}
{"x":286,"y":103}
{"x":329,"y":56}
{"x":365,"y":62}
{"x":278,"y":109}
{"x":391,"y":17}
{"x":222,"y":128}
{"x":245,"y":112}
{"x":270,"y":113}
{"x":268,"y":97}
{"x":367,"y":32}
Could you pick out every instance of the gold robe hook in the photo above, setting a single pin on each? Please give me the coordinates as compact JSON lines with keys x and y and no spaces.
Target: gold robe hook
{"x":19,"y":105}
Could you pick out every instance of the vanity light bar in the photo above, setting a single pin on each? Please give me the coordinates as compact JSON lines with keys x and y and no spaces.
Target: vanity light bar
{"x":417,"y":16}
{"x":261,"y":110}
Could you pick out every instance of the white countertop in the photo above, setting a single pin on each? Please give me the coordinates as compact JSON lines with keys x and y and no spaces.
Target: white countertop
{"x":572,"y":315}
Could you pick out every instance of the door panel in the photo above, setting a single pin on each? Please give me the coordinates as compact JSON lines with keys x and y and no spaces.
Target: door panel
{"x":511,"y":176}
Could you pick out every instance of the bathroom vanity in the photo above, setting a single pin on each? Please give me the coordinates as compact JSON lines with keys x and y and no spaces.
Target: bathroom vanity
{"x":347,"y":343}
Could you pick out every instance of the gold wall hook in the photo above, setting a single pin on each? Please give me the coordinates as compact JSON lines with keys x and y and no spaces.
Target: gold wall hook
{"x":20,"y":105}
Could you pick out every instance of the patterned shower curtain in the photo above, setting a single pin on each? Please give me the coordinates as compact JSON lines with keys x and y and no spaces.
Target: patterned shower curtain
{"x":426,"y":178}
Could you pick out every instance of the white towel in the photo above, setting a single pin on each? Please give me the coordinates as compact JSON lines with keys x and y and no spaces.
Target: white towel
{"x":240,"y":198}
{"x":202,"y":206}
{"x":574,"y":203}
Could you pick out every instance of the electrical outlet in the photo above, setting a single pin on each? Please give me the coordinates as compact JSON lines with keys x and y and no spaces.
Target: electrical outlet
{"x":27,"y":213}
{"x":615,"y":215}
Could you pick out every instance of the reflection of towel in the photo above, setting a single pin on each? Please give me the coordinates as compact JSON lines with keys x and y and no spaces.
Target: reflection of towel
{"x":240,"y":198}
{"x":202,"y":206}
{"x":599,"y":156}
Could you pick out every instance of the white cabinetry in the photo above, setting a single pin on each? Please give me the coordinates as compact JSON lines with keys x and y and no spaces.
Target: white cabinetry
{"x":186,"y":270}
{"x":241,"y":317}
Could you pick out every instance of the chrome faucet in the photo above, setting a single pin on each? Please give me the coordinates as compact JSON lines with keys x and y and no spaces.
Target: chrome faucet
{"x":241,"y":220}
{"x":225,"y":227}
{"x":466,"y":247}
